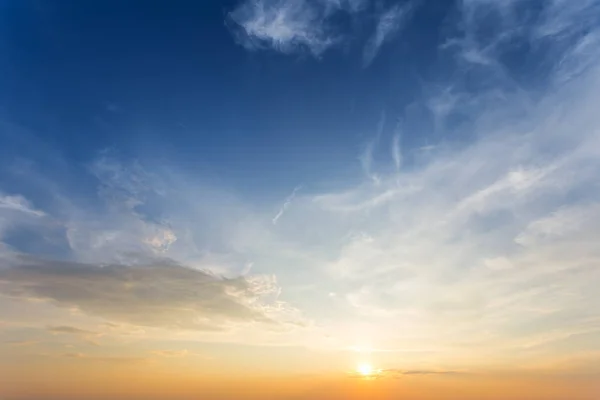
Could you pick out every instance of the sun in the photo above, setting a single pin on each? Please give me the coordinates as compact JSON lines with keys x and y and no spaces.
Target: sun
{"x":364,"y":369}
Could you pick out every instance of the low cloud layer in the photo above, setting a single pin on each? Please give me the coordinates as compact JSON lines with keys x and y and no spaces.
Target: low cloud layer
{"x":70,"y":330}
{"x":165,"y":295}
{"x":399,"y":373}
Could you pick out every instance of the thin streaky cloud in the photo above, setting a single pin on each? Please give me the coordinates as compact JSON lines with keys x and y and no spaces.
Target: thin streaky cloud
{"x":171,"y":353}
{"x":389,"y":23}
{"x":21,"y":343}
{"x":366,"y":158}
{"x":70,"y":330}
{"x":350,"y":5}
{"x":396,"y":147}
{"x":490,"y":244}
{"x":285,"y":206}
{"x":114,"y":360}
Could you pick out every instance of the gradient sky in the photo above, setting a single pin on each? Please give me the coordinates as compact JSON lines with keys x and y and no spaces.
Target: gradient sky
{"x":250,"y":199}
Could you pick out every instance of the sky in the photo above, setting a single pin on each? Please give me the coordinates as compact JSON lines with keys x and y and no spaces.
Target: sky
{"x":300,"y":199}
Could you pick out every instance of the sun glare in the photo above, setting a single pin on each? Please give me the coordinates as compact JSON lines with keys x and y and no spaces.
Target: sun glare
{"x":364,"y":369}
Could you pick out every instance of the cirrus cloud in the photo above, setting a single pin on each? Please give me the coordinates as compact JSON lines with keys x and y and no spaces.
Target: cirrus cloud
{"x":284,"y":25}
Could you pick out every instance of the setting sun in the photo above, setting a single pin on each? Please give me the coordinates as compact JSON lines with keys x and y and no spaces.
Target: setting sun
{"x":364,"y":369}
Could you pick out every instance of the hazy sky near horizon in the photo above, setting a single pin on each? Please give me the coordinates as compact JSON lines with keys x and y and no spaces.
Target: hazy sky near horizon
{"x":276,"y":192}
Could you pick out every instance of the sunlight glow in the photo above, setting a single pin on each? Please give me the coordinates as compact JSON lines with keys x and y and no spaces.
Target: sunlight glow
{"x":364,"y":369}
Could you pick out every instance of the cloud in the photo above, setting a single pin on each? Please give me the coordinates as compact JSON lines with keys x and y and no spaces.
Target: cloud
{"x":121,"y":254}
{"x":397,"y":147}
{"x":162,"y":240}
{"x":286,"y":204}
{"x":429,"y":256}
{"x":170,"y":353}
{"x":69,"y":330}
{"x":562,"y":33}
{"x":349,"y":5}
{"x":389,"y":23}
{"x":159,"y":295}
{"x":117,"y":360}
{"x":89,"y":337}
{"x":291,"y":26}
{"x":284,"y":25}
{"x":366,"y":158}
{"x":124,"y":226}
{"x":420,"y":372}
{"x":399,"y":373}
{"x":18,"y":203}
{"x":488,"y":240}
{"x":22,"y":343}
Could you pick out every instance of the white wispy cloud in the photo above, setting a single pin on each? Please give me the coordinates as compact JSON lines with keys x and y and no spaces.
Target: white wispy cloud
{"x":351,"y":5}
{"x":299,"y":26}
{"x":396,"y":148}
{"x":389,"y":23}
{"x":286,"y":204}
{"x":18,"y":203}
{"x":285,"y":25}
{"x":120,"y":268}
{"x":490,"y":243}
{"x":292,"y":26}
{"x":366,"y":157}
{"x":171,"y":353}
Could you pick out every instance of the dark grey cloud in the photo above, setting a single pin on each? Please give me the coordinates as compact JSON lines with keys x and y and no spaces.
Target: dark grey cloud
{"x":163,"y":294}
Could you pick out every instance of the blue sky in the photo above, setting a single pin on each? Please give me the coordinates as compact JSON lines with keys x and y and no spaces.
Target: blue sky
{"x":415,"y":177}
{"x":93,"y":81}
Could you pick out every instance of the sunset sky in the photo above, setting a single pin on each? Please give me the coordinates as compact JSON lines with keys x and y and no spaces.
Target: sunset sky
{"x":300,"y":199}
